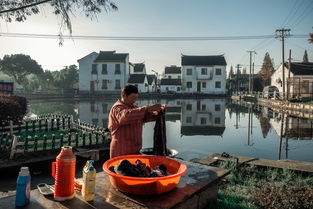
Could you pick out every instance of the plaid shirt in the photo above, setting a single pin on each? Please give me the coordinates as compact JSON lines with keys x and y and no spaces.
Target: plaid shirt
{"x":125,"y":125}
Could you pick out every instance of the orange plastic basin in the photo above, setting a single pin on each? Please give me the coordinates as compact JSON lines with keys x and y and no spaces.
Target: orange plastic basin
{"x":146,"y":186}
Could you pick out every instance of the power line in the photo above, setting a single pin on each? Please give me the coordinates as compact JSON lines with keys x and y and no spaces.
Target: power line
{"x":144,"y":38}
{"x":23,"y":7}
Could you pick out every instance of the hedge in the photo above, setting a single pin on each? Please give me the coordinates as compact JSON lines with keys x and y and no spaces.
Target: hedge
{"x":12,"y":108}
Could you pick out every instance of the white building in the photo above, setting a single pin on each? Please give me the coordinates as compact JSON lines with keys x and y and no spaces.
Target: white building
{"x":203,"y":117}
{"x":172,"y":72}
{"x":170,"y":85}
{"x":203,"y":74}
{"x":152,"y":83}
{"x":107,"y":71}
{"x":301,"y":79}
{"x":140,"y":81}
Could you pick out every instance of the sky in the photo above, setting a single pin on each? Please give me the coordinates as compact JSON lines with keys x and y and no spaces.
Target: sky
{"x":169,"y":18}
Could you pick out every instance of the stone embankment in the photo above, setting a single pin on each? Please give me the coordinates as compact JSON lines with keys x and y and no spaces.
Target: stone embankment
{"x":291,"y":108}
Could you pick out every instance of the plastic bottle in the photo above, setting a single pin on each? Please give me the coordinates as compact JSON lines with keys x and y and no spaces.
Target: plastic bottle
{"x":63,"y":171}
{"x":23,"y":187}
{"x":89,"y":181}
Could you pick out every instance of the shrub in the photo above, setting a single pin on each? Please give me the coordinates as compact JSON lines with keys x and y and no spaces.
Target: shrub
{"x":12,"y":108}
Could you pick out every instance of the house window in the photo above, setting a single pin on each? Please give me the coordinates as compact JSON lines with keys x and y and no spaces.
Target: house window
{"x":117,"y":84}
{"x":204,"y":71}
{"x":189,"y":107}
{"x":94,"y":69}
{"x":117,"y":69}
{"x":203,"y":84}
{"x":189,"y":85}
{"x":203,"y":121}
{"x":169,"y":76}
{"x":166,"y":88}
{"x":189,"y":71}
{"x":218,"y":71}
{"x":217,"y":107}
{"x":104,"y":108}
{"x":217,"y":84}
{"x":104,"y":69}
{"x":188,"y":120}
{"x":179,"y":76}
{"x":217,"y":120}
{"x":198,"y":105}
{"x":178,"y":88}
{"x":203,"y":107}
{"x":104,"y":84}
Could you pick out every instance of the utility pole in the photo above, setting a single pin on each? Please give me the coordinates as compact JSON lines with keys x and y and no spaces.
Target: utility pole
{"x":252,"y":77}
{"x":289,"y":68}
{"x":283,"y":33}
{"x":250,"y":52}
{"x":238,"y":66}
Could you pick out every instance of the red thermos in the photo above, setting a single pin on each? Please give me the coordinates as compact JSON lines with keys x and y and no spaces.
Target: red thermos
{"x":63,"y":171}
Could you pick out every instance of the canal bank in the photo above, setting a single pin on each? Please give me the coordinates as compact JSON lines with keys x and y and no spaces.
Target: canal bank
{"x":291,"y":108}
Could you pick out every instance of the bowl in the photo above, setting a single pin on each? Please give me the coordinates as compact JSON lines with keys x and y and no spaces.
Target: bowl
{"x":146,"y":186}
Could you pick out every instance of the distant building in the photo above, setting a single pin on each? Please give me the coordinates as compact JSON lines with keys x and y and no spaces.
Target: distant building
{"x":139,"y":68}
{"x":203,"y":74}
{"x":172,"y":72}
{"x":140,"y":81}
{"x":107,"y":71}
{"x":300,"y":82}
{"x":170,"y":85}
{"x":152,"y":83}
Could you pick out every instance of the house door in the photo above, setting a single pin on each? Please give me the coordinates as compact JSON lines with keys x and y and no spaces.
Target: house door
{"x":92,"y":86}
{"x":198,"y":86}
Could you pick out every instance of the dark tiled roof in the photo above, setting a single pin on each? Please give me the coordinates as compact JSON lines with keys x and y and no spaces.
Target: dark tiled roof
{"x":107,"y":56}
{"x":203,"y":60}
{"x":139,"y":67}
{"x":136,"y":78}
{"x":300,"y":68}
{"x":166,"y":81}
{"x":202,"y":130}
{"x":172,"y":70}
{"x":151,"y":78}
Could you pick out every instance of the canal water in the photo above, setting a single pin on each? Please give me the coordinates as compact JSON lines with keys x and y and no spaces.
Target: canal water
{"x":197,"y":128}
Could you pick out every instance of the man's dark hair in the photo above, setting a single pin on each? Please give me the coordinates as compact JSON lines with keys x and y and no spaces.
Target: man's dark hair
{"x":130,"y":89}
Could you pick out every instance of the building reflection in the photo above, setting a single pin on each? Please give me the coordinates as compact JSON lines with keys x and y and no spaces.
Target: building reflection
{"x":197,"y":117}
{"x":203,"y":117}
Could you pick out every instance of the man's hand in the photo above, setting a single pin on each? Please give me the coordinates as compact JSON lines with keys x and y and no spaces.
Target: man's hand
{"x":155,"y":108}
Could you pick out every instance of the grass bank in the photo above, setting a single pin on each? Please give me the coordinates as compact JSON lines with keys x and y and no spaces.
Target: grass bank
{"x":258,"y":187}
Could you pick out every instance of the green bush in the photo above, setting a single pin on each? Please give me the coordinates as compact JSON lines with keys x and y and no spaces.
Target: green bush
{"x":12,"y":108}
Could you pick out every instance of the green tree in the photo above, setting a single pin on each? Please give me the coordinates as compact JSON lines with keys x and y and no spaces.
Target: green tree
{"x":19,"y":10}
{"x":66,"y":78}
{"x":267,"y":70}
{"x":19,"y":66}
{"x":305,"y":57}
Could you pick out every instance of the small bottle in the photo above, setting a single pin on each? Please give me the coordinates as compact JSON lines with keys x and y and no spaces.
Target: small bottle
{"x":89,"y":181}
{"x":23,"y":187}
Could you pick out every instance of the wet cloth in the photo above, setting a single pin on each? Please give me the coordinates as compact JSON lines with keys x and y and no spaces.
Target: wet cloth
{"x":159,"y":137}
{"x":125,"y":125}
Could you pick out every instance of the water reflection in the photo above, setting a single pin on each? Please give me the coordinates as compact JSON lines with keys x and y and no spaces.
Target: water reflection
{"x":200,"y":127}
{"x":203,"y":117}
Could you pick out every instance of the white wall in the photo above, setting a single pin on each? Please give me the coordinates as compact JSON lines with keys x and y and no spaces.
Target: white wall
{"x":209,"y":79}
{"x":85,"y":65}
{"x":166,"y":88}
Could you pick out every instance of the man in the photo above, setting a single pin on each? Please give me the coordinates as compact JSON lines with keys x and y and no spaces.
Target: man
{"x":126,"y":121}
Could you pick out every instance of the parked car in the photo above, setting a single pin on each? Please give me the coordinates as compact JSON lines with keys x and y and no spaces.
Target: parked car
{"x":268,"y":91}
